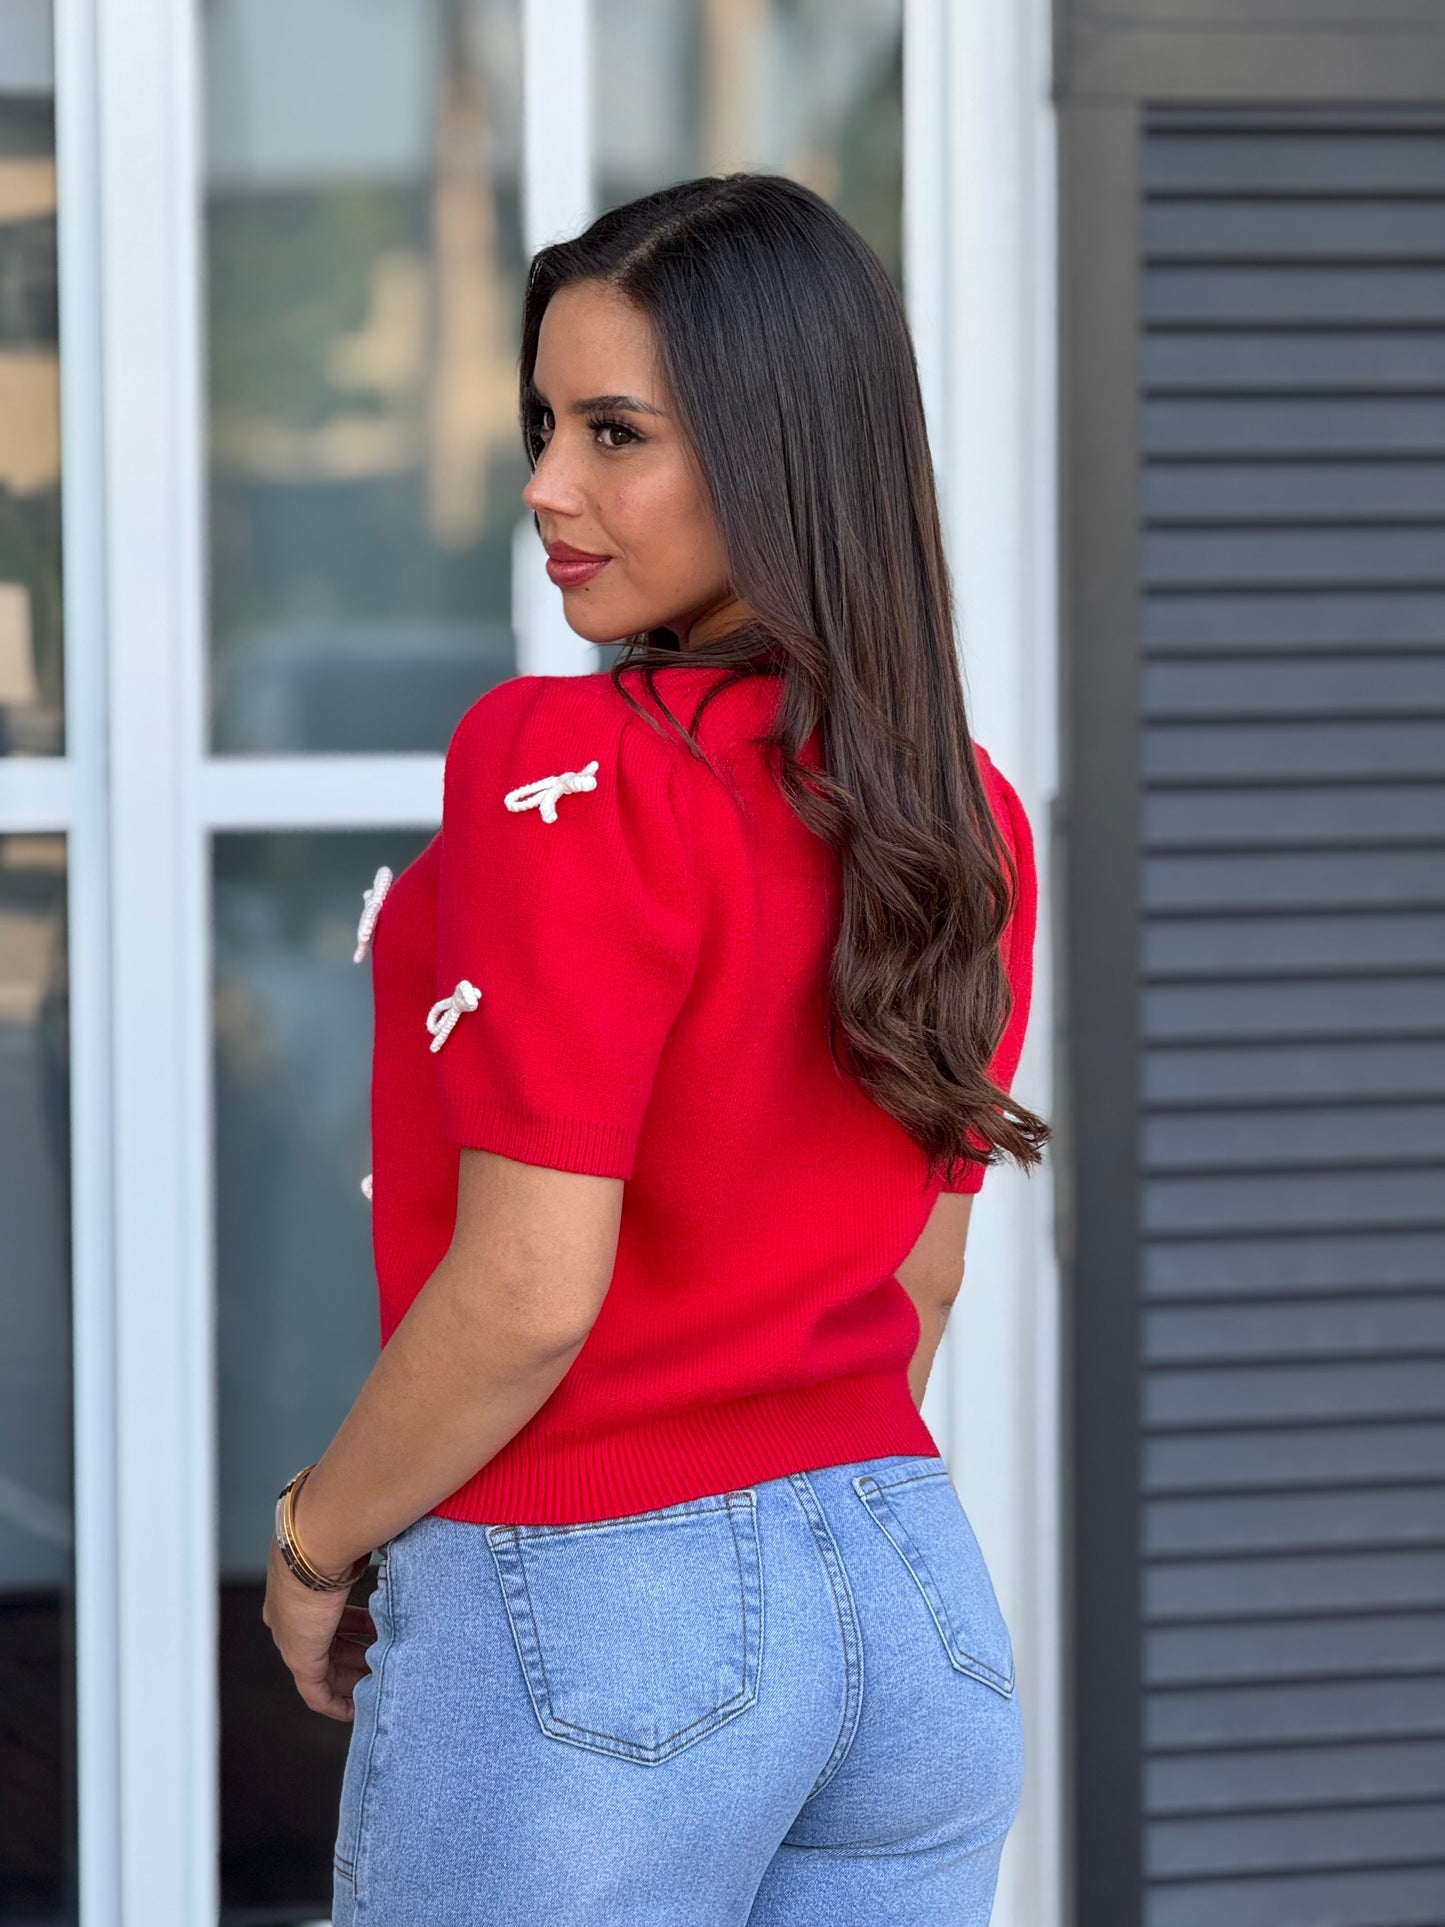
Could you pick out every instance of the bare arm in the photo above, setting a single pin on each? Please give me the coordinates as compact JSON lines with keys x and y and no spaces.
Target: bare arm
{"x":932,"y":1275}
{"x":482,"y":1347}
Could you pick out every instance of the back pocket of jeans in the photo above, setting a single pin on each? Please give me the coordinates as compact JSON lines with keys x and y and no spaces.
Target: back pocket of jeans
{"x":638,"y":1636}
{"x":923,"y":1517}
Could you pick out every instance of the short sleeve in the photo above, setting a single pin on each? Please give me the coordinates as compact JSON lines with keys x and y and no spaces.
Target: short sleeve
{"x":1017,"y":944}
{"x":567,"y":931}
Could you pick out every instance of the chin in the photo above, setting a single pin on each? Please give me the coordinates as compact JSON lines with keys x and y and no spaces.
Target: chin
{"x":608,"y":635}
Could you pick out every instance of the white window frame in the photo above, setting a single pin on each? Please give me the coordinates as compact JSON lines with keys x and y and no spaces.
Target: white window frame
{"x":981,"y":288}
{"x":138,"y":796}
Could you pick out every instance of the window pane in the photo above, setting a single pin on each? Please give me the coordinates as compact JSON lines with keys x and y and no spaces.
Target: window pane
{"x":37,"y":1618}
{"x":31,"y":692}
{"x":365,"y":282}
{"x":298,"y":1324}
{"x":808,"y":88}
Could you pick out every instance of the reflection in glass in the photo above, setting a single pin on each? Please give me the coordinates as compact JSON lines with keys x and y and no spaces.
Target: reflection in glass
{"x":808,"y":88}
{"x":365,"y":278}
{"x":297,"y":1313}
{"x":37,"y":1619}
{"x":31,"y":691}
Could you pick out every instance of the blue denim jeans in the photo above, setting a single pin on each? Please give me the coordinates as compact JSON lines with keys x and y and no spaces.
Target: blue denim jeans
{"x":790,"y":1703}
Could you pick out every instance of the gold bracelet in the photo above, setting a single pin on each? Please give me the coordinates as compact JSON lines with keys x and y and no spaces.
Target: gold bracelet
{"x":291,"y":1550}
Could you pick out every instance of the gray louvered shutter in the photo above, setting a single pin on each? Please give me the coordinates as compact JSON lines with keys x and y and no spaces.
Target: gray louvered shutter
{"x":1292,"y":1145}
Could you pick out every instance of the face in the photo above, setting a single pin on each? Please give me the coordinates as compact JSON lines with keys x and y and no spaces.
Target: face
{"x":616,"y":481}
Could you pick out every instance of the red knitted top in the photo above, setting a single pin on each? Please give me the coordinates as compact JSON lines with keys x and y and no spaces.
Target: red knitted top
{"x":629,"y":978}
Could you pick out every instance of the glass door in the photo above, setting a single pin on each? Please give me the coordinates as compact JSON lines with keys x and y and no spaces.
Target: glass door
{"x":289,"y":244}
{"x":371,"y":569}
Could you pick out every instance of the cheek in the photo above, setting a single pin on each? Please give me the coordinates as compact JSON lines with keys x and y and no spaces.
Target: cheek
{"x":667,"y":539}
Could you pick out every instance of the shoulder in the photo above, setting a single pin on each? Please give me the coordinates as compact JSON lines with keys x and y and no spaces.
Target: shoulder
{"x":539,"y":707}
{"x":561,"y":769}
{"x":530,"y":728}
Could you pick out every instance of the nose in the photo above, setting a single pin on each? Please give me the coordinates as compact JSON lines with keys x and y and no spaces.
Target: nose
{"x":549,"y":488}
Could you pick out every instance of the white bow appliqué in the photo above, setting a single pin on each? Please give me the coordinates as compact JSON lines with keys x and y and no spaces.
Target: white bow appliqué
{"x":442,"y":1017}
{"x":372,"y":898}
{"x":547,"y":789}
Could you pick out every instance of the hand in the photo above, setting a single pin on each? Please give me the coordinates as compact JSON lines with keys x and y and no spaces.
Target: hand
{"x":322,"y":1639}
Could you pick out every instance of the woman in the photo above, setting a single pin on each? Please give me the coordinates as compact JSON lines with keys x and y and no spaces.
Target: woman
{"x":695,"y":1026}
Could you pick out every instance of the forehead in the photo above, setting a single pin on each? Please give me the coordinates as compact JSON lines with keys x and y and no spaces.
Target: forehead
{"x":593,"y":340}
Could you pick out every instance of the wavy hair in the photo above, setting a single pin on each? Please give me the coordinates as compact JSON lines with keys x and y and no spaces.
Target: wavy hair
{"x":791,"y":369}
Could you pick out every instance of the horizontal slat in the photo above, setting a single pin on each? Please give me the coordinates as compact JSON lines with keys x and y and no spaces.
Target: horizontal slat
{"x":1293,"y":161}
{"x":1285,"y":1202}
{"x":1349,"y":1259}
{"x":1366,"y":120}
{"x":1234,"y":495}
{"x":1339,"y":1070}
{"x":1411,"y":877}
{"x":1356,"y":430}
{"x":1239,"y":622}
{"x":1310,"y":1455}
{"x":1376,"y":360}
{"x":1320,"y":814}
{"x":1346,"y":552}
{"x":1302,"y":1329}
{"x":1391,"y":1769}
{"x":1352,"y":229}
{"x":1399,"y":1896}
{"x":1220,"y":1397}
{"x":1234,"y":1716}
{"x":1266,"y":295}
{"x":1283,"y":1139}
{"x":1264,"y":1586}
{"x":1296,"y":688}
{"x":1314,"y":1646}
{"x":1222,"y":1012}
{"x":1202,"y":948}
{"x":1241,"y":496}
{"x":1348,"y":1837}
{"x":1371,"y":749}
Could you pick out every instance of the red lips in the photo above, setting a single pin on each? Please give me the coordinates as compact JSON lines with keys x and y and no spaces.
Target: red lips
{"x":564,"y":552}
{"x":570,"y":568}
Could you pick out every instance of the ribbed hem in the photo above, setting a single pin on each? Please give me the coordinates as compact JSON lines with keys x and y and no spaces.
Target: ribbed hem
{"x":563,"y":1143}
{"x":550,"y":1480}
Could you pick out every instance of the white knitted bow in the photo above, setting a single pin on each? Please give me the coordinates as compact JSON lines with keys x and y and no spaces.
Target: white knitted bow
{"x":372,"y":898}
{"x":546,"y":790}
{"x":442,"y":1016}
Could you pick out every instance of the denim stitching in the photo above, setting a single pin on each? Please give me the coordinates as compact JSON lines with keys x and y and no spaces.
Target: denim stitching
{"x":353,"y":1871}
{"x":674,"y":1741}
{"x":848,"y":1628}
{"x":908,"y":1478}
{"x":921,"y":1572}
{"x":534,"y":1643}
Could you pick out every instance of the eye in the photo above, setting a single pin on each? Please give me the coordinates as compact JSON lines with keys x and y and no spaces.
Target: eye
{"x":539,"y":424}
{"x":536,"y":441}
{"x":600,"y":423}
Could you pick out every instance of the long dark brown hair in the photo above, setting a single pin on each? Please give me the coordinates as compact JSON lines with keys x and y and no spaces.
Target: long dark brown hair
{"x":790,"y":366}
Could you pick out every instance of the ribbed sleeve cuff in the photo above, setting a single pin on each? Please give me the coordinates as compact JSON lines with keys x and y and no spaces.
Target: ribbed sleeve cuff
{"x":596,"y":1149}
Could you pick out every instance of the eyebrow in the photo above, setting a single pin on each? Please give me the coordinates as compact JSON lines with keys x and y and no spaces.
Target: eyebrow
{"x":593,"y":403}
